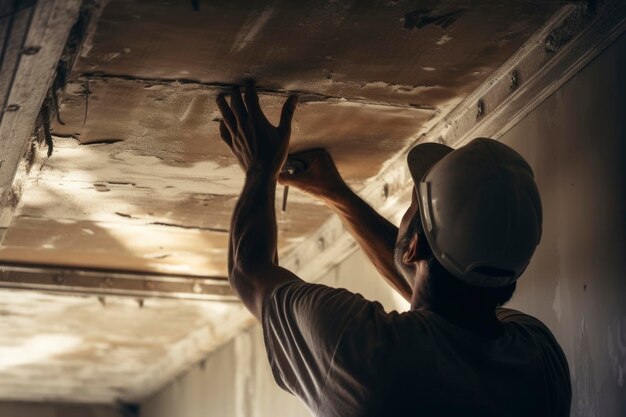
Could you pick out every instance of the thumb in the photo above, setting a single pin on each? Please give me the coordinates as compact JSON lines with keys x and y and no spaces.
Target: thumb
{"x":286,"y":116}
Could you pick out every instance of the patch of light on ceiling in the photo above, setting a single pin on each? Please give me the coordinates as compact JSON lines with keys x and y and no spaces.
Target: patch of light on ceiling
{"x":36,"y":349}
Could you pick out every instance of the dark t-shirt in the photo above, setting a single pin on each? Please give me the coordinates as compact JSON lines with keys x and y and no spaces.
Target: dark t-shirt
{"x":345,"y":356}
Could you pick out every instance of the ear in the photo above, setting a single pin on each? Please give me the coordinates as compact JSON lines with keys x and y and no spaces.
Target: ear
{"x":411,"y":255}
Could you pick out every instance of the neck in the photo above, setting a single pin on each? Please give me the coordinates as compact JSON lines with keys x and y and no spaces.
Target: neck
{"x":476,"y":319}
{"x":484,"y":324}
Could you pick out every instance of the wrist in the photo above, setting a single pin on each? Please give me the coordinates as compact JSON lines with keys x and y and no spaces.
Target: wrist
{"x":261,"y":174}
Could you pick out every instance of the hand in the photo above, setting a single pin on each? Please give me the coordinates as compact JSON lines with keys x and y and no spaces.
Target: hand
{"x":320,"y":178}
{"x":258,"y":146}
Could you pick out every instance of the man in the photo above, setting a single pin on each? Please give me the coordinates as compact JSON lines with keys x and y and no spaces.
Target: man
{"x":471,"y":229}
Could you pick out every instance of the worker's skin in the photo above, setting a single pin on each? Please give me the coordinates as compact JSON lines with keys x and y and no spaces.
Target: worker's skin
{"x":261,"y":150}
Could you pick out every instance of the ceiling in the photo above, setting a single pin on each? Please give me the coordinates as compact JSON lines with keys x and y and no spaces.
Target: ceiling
{"x":139,"y":180}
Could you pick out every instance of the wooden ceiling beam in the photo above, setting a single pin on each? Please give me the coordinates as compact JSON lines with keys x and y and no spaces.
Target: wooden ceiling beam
{"x":103,"y":283}
{"x":32,"y":37}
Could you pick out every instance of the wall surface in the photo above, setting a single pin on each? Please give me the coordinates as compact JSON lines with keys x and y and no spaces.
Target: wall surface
{"x":576,"y":143}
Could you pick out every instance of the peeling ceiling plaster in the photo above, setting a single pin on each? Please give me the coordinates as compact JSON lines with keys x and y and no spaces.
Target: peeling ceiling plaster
{"x":139,"y":179}
{"x":60,"y":348}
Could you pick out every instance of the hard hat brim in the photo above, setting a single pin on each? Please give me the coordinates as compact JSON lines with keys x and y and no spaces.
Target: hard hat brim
{"x":421,"y":158}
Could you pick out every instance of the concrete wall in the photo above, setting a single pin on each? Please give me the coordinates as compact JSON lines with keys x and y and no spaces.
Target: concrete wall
{"x":576,"y":284}
{"x":576,"y":143}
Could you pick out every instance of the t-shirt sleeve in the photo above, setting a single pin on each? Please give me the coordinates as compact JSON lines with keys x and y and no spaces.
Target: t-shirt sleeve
{"x":303,"y":324}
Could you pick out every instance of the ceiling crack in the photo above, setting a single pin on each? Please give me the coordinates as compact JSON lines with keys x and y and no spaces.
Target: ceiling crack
{"x":305,"y":96}
{"x":182,"y":226}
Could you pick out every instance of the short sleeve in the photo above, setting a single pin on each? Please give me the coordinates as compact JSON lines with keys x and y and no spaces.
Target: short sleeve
{"x":303,"y":324}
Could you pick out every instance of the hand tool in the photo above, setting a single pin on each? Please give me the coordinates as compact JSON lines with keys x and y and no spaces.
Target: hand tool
{"x":292,"y":166}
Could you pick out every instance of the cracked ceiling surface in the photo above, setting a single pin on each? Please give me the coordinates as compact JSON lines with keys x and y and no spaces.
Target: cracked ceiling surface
{"x":139,"y":179}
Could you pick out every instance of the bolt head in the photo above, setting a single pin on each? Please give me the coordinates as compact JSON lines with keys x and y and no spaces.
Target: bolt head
{"x":514,"y":80}
{"x":480,"y":109}
{"x":385,"y":191}
{"x":31,"y":50}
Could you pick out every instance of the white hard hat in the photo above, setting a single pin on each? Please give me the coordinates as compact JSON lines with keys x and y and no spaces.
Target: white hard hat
{"x":480,"y":209}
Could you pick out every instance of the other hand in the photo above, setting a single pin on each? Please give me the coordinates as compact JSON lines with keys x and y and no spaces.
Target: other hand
{"x":258,"y":146}
{"x":320,"y":178}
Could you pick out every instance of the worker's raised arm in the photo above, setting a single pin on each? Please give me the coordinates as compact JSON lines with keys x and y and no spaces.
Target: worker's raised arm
{"x":374,"y":234}
{"x":261,"y":150}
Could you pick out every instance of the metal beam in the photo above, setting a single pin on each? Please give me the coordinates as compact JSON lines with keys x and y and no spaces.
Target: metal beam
{"x":32,"y":36}
{"x":104,"y":283}
{"x":574,"y":36}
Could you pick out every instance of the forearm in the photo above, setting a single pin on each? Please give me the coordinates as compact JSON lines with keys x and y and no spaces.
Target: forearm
{"x":253,"y":234}
{"x":375,"y":235}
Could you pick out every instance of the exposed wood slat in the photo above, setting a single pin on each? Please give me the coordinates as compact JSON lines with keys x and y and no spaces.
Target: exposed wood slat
{"x":33,"y":39}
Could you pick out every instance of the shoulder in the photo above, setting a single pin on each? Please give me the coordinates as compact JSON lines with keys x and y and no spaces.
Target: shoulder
{"x":312,"y":298}
{"x":303,"y":326}
{"x":530,"y":324}
{"x":541,"y":335}
{"x":316,"y":310}
{"x":554,"y":362}
{"x":533,"y":328}
{"x":507,"y":315}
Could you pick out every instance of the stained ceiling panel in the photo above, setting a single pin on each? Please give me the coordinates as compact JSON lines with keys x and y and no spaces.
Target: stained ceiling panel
{"x":148,"y":162}
{"x":419,"y":52}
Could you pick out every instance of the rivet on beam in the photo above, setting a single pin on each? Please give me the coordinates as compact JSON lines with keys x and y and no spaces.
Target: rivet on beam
{"x":197,"y":288}
{"x":385,"y":191}
{"x":480,"y":109}
{"x":31,"y":50}
{"x":321,"y":243}
{"x":515,"y":79}
{"x":107,"y":283}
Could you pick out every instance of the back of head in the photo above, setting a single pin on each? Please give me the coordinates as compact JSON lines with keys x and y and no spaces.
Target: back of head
{"x":481,"y":213}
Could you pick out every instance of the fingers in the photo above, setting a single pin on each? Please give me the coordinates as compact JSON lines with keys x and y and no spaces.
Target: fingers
{"x":225,"y":134}
{"x":284,"y":179}
{"x":311,"y":155}
{"x":251,"y":99}
{"x":286,"y":116}
{"x":236,"y":104}
{"x":227,"y":114}
{"x":294,"y":171}
{"x":296,"y":179}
